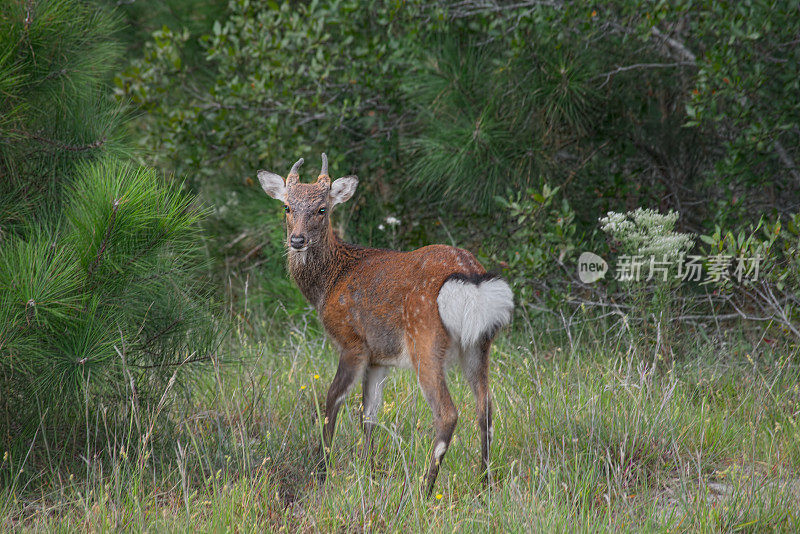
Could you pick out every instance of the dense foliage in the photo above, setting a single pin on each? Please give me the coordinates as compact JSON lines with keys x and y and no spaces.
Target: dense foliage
{"x":476,"y":121}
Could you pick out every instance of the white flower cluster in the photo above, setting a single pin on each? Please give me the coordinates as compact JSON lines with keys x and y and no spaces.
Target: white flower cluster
{"x":391,"y":220}
{"x":647,"y":232}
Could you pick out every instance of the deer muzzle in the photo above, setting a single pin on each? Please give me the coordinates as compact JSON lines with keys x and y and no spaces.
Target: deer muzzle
{"x":298,"y":241}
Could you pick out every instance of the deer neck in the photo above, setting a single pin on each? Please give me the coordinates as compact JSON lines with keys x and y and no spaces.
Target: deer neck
{"x":315,"y":270}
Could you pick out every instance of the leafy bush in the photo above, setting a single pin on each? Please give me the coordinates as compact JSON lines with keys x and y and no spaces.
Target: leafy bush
{"x":762,"y":274}
{"x":441,"y":107}
{"x":281,"y":81}
{"x":542,"y":237}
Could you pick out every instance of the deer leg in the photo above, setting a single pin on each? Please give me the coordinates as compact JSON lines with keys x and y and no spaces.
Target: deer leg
{"x":350,"y":368}
{"x":372,"y":387}
{"x":475,"y":363}
{"x":434,"y":389}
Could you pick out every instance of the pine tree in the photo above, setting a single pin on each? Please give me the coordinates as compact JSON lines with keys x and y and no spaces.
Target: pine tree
{"x":99,"y":257}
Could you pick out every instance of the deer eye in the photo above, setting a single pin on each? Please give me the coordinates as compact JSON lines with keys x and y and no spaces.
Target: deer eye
{"x":286,"y":209}
{"x":321,"y":210}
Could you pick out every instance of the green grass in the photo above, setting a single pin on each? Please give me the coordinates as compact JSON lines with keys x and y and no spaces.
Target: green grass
{"x":588,"y":438}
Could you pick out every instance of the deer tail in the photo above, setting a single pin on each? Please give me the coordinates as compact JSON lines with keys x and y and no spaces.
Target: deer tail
{"x":474,"y":307}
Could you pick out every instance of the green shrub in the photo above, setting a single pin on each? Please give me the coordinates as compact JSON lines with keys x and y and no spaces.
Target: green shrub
{"x":763,"y":269}
{"x":541,"y":238}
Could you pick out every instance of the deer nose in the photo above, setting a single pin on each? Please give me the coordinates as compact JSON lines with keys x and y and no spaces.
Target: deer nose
{"x":298,"y":241}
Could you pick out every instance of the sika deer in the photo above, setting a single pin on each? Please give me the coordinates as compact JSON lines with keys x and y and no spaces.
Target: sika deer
{"x":383,"y":308}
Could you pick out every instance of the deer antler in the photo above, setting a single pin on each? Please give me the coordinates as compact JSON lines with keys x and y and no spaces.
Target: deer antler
{"x":294,"y":176}
{"x":323,"y":173}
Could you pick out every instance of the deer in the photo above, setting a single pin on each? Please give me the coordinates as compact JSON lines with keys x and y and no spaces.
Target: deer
{"x":421,"y":310}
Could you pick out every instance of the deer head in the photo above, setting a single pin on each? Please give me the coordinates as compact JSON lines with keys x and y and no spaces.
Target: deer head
{"x":307,"y":206}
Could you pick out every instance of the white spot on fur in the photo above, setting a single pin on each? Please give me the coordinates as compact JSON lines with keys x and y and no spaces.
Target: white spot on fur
{"x":491,"y":433}
{"x":439,"y":451}
{"x":469,"y":310}
{"x":373,"y":392}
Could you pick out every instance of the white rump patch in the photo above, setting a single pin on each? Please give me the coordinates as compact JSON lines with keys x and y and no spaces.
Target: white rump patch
{"x":469,"y":311}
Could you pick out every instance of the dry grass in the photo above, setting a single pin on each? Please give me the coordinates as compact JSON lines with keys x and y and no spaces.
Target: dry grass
{"x":588,"y":438}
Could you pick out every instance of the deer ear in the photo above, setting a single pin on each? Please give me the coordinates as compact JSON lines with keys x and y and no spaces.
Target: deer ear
{"x":342,"y":189}
{"x":273,"y":185}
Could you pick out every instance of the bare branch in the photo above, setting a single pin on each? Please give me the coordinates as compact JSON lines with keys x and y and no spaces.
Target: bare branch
{"x":668,"y":46}
{"x":787,"y":161}
{"x":636,"y":66}
{"x":469,"y":8}
{"x":675,"y":47}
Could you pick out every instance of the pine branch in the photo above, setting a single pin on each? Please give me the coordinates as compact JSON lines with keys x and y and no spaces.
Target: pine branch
{"x":161,"y":332}
{"x":106,"y":237}
{"x":60,"y":144}
{"x":72,"y":148}
{"x":148,"y":247}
